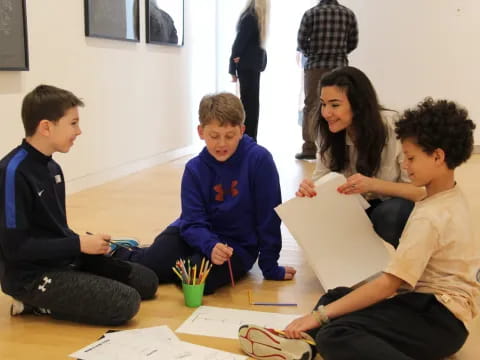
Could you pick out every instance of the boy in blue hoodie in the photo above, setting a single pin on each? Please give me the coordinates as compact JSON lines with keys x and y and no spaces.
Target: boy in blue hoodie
{"x":229,"y":192}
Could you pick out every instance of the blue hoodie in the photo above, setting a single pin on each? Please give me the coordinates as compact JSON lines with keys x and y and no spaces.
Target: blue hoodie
{"x":232,"y":202}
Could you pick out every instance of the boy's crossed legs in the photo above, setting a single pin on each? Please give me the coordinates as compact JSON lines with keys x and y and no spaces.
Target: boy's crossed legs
{"x":88,"y":298}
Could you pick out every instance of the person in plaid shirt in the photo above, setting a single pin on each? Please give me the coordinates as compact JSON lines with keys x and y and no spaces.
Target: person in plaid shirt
{"x":327,"y":34}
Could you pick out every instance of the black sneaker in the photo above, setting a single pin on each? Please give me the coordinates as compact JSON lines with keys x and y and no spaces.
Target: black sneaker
{"x":304,"y":156}
{"x":20,"y":308}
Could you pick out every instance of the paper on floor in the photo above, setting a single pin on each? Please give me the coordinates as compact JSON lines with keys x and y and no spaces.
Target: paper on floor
{"x":224,"y":322}
{"x":156,"y":343}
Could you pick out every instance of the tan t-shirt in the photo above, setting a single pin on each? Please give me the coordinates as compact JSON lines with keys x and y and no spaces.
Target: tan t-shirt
{"x":391,"y":159}
{"x":438,"y":254}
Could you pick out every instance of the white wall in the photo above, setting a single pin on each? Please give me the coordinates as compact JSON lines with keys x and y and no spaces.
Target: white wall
{"x":414,"y":48}
{"x":140,"y":98}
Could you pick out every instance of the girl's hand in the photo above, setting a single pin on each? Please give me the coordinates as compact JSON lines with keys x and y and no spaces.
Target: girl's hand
{"x":357,"y":184}
{"x":306,"y":189}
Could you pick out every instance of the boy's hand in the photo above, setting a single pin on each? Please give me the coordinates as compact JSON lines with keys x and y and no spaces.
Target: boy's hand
{"x":295,"y":329}
{"x":306,"y":189}
{"x":289,"y":272}
{"x":356,"y":184}
{"x":95,"y":244}
{"x":221,"y":253}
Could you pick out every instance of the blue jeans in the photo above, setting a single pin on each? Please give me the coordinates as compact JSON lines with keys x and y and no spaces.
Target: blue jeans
{"x":389,"y":217}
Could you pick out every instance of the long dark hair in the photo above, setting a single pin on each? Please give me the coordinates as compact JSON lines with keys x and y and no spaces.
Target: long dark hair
{"x":368,"y":127}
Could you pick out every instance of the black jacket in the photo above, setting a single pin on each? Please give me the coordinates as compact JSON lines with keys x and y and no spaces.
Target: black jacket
{"x":34,"y":234}
{"x":247,"y":46}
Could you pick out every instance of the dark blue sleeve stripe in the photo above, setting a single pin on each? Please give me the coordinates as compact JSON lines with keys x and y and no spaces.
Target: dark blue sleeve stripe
{"x":10,"y":206}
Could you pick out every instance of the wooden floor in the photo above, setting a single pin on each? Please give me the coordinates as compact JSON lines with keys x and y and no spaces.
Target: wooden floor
{"x":141,"y":205}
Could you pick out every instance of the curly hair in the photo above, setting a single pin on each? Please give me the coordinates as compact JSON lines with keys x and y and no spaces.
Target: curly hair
{"x":439,"y":124}
{"x":370,"y":131}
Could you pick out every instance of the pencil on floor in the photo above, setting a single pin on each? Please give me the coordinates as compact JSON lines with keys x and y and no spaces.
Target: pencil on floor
{"x":274,"y":304}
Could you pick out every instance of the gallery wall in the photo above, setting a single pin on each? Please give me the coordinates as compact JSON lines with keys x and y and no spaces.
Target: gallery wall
{"x":414,"y":48}
{"x":140,"y":98}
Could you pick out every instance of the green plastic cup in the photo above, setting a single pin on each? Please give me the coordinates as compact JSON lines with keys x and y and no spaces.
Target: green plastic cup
{"x":193,"y":294}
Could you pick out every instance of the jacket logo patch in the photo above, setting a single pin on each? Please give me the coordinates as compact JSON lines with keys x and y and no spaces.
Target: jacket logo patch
{"x":46,"y":281}
{"x":220,"y":192}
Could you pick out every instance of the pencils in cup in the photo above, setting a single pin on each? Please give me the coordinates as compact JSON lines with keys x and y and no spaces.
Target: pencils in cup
{"x":188,"y":274}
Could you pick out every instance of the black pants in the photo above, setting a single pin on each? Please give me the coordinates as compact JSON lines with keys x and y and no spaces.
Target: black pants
{"x":406,"y":327}
{"x":168,"y":247}
{"x":82,"y":296}
{"x":389,"y":217}
{"x":250,"y":96}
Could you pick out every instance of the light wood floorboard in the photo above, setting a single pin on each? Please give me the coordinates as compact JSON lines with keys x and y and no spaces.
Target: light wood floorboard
{"x":141,"y":205}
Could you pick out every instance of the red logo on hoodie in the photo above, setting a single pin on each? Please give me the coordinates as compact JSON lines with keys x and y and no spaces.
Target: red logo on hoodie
{"x":220,"y":196}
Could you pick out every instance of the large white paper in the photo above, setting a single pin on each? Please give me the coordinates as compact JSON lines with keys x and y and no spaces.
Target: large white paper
{"x":224,"y":322}
{"x":336,"y":234}
{"x":156,"y":343}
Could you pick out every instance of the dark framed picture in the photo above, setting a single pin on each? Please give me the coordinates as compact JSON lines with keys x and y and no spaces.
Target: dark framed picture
{"x":112,"y":19}
{"x":164,"y":22}
{"x":13,"y":35}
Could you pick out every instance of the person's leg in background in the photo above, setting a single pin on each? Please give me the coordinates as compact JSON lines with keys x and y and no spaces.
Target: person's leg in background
{"x":389,"y":218}
{"x":312,"y":99}
{"x":250,"y":96}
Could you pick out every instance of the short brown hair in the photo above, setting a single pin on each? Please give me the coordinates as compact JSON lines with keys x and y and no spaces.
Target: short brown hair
{"x":46,"y":102}
{"x":224,"y":107}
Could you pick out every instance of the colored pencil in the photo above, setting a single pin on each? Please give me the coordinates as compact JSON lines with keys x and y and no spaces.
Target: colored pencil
{"x":274,"y":304}
{"x":308,"y":341}
{"x":231,"y":272}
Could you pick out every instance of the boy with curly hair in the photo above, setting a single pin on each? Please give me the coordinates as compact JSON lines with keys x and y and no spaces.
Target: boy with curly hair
{"x":419,"y":307}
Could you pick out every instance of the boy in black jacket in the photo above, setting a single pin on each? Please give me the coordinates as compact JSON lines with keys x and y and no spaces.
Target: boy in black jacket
{"x":45,"y":266}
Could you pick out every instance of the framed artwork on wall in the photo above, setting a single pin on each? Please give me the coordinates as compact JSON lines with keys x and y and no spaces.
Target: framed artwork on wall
{"x":112,"y":19}
{"x":13,"y":35}
{"x":164,"y":22}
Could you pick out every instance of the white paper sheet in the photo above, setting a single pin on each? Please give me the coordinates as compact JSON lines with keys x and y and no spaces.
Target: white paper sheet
{"x":224,"y":322}
{"x":336,"y":234}
{"x":156,"y":343}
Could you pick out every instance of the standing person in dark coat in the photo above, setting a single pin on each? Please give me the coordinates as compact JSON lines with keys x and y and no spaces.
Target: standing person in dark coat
{"x":249,"y":59}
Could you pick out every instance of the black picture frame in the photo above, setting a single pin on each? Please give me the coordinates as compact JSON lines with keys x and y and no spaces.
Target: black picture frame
{"x":13,"y":36}
{"x":164,"y":22}
{"x":112,"y":19}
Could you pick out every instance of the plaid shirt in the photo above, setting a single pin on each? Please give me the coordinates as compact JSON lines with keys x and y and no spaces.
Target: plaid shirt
{"x":328,"y":32}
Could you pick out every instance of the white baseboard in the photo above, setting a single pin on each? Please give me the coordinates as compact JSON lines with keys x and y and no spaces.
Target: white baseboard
{"x":476,"y":149}
{"x":99,"y":178}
